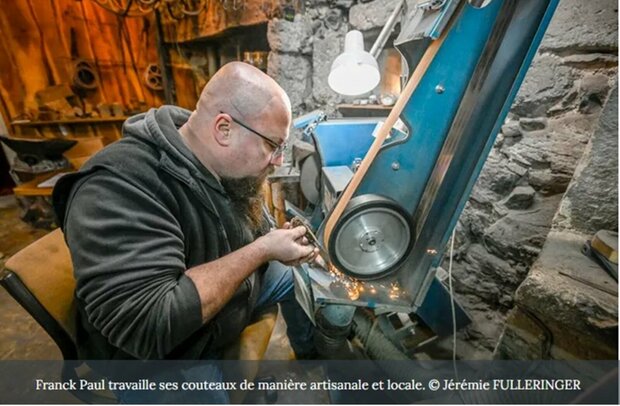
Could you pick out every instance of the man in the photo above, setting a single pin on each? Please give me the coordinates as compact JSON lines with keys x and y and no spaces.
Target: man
{"x":167,"y":232}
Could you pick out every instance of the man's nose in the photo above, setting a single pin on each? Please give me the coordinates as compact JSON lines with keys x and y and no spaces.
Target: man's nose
{"x":277,"y":160}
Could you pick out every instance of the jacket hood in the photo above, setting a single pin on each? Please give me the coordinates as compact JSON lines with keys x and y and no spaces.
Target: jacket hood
{"x":160,"y":126}
{"x":154,"y":137}
{"x":153,"y":125}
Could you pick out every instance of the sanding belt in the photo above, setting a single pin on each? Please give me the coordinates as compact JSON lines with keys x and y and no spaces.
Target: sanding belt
{"x":384,"y":131}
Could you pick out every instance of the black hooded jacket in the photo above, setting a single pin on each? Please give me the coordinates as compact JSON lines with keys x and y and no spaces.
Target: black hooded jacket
{"x":136,"y":217}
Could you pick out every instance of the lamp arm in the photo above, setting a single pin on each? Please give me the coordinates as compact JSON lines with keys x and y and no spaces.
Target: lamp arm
{"x":387,"y":30}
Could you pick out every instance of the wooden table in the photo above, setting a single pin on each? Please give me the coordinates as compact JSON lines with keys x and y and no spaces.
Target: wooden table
{"x":31,"y":188}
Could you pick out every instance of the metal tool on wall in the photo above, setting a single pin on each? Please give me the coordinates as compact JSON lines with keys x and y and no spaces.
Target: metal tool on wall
{"x":153,"y":77}
{"x":174,"y":9}
{"x":85,"y":75}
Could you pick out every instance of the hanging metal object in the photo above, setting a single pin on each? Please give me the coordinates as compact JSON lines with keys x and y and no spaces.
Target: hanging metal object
{"x":153,"y":77}
{"x":232,"y":5}
{"x":174,"y":9}
{"x":179,"y":9}
{"x":127,"y":8}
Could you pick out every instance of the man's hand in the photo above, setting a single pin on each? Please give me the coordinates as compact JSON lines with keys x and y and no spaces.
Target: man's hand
{"x":288,"y":245}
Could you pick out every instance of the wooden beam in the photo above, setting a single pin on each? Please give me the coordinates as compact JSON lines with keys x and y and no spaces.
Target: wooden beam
{"x":164,"y":61}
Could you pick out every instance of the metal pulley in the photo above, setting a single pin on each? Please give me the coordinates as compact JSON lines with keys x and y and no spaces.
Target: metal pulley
{"x":372,"y":238}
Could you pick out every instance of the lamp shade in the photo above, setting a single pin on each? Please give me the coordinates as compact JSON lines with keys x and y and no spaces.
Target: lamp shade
{"x":355,"y":71}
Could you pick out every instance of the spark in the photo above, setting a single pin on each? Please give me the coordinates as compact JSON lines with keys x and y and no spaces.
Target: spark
{"x":354,"y":288}
{"x":394,"y":291}
{"x":351,"y":285}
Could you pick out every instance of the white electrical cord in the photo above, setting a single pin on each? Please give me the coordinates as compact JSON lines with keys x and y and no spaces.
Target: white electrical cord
{"x":453,"y":308}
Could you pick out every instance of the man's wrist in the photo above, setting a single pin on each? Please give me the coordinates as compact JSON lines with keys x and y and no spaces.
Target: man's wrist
{"x":261,"y":249}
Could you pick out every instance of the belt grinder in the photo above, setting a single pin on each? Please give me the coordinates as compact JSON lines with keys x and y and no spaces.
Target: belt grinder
{"x":388,"y":193}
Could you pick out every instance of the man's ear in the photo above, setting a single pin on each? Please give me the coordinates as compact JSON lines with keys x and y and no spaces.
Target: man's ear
{"x":222,"y":131}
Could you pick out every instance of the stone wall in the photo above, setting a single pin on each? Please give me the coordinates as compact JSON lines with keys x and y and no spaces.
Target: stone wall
{"x":567,"y":307}
{"x":506,"y":221}
{"x":303,"y":50}
{"x":504,"y":225}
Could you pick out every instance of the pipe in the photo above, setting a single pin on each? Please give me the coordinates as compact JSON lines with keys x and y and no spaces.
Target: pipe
{"x":386,"y":31}
{"x":376,"y":344}
{"x":333,"y":329}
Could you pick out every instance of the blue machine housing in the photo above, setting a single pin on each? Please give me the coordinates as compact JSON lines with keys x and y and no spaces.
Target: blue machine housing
{"x":452,"y":118}
{"x":341,"y":142}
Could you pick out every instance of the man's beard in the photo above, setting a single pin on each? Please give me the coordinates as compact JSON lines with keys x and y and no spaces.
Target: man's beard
{"x":247,"y":197}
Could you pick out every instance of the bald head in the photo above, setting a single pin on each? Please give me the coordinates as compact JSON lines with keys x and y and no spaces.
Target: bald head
{"x":243,"y":90}
{"x":238,"y":91}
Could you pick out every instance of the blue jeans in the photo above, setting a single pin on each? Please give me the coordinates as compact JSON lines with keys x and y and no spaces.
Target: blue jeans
{"x":278,"y":287}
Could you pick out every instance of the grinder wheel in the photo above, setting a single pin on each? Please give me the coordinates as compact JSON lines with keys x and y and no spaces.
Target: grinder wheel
{"x":372,"y":238}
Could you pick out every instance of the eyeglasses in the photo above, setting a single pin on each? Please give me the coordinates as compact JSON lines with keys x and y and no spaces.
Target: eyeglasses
{"x":278,"y":149}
